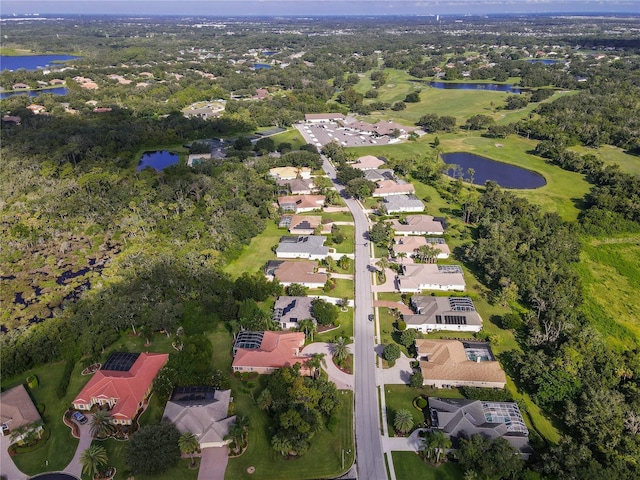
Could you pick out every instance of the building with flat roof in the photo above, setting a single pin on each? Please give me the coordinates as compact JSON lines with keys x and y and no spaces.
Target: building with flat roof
{"x":453,"y":363}
{"x":443,"y":313}
{"x":323,"y":117}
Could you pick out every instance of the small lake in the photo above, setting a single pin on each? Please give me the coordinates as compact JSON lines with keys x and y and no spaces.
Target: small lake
{"x":495,"y":87}
{"x":158,"y":160}
{"x":507,"y":176}
{"x":35,"y":93}
{"x":32,"y":62}
{"x":258,"y":66}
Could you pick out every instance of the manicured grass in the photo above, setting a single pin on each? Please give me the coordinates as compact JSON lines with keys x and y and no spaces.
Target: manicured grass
{"x":291,"y":136}
{"x":337,"y":217}
{"x":387,"y":332}
{"x":347,"y":245}
{"x":344,"y":288}
{"x":409,"y":466}
{"x":257,"y":253}
{"x":398,"y":397}
{"x":344,"y":330}
{"x":611,"y":155}
{"x":612,"y":266}
{"x":61,"y":446}
{"x":324,"y":459}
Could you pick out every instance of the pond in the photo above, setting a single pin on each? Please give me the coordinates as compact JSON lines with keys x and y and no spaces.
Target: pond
{"x":505,"y":175}
{"x":35,"y":93}
{"x":495,"y":87}
{"x":32,"y":62}
{"x":158,"y":160}
{"x":258,"y":66}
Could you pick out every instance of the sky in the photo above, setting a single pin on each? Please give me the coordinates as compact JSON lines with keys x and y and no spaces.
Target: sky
{"x":313,"y":7}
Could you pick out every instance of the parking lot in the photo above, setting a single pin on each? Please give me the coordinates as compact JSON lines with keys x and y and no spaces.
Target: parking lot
{"x":321,"y":134}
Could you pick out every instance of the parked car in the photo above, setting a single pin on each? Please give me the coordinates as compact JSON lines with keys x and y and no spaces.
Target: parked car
{"x":79,"y":417}
{"x":371,"y":317}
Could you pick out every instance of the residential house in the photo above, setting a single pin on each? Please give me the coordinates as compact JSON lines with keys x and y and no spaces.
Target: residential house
{"x":368,"y":162}
{"x":37,"y":109}
{"x":203,"y":411}
{"x":310,"y":247}
{"x":18,"y":413}
{"x":443,"y":313}
{"x":429,"y":276}
{"x":12,"y":119}
{"x":454,"y":363}
{"x":403,"y":203}
{"x":301,"y":203}
{"x":122,"y":386}
{"x":57,"y":81}
{"x":265,"y":352}
{"x":288,"y":311}
{"x":377,"y":174}
{"x":303,"y":224}
{"x":462,"y":418}
{"x":304,"y":272}
{"x":417,"y":225}
{"x":20,"y":86}
{"x":298,"y":186}
{"x":410,"y":245}
{"x":392,"y":187}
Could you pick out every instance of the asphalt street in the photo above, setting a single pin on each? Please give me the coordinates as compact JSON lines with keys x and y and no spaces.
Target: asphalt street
{"x":369,"y":452}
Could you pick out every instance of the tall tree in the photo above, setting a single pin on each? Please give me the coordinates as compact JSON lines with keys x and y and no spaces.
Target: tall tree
{"x":188,"y":444}
{"x":93,"y":460}
{"x":101,"y":426}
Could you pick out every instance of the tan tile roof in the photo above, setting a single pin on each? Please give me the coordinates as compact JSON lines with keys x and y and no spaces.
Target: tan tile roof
{"x":368,"y":162}
{"x":389,"y":187}
{"x":417,"y":223}
{"x":277,"y":350}
{"x":17,"y":408}
{"x":299,"y":271}
{"x":313,"y":221}
{"x":447,"y":361}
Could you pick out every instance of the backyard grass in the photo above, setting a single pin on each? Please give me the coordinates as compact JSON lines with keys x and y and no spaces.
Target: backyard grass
{"x":347,"y":245}
{"x":255,"y":255}
{"x":398,"y":397}
{"x":607,"y":266}
{"x":61,"y":446}
{"x":409,"y":466}
{"x":324,"y":459}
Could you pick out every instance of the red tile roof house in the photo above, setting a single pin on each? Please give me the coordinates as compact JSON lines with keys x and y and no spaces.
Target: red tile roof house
{"x":276,"y":350}
{"x":123,"y":392}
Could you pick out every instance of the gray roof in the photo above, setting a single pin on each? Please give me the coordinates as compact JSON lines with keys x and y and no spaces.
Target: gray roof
{"x":379,"y":174}
{"x":399,"y":202}
{"x":492,"y":419}
{"x":439,"y":310}
{"x":311,"y":244}
{"x":208,"y":420}
{"x":292,"y":309}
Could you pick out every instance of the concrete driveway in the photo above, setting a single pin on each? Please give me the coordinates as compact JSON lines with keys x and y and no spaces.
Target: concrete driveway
{"x":75,"y":467}
{"x":8,"y":469}
{"x":400,"y":373}
{"x":213,"y":463}
{"x":343,"y":381}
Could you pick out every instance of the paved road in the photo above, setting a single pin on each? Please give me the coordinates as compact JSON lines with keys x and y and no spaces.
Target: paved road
{"x":369,"y":452}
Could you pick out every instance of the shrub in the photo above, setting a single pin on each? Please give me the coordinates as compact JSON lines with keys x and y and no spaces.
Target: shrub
{"x":416,"y":380}
{"x":421,"y":402}
{"x":402,"y":325}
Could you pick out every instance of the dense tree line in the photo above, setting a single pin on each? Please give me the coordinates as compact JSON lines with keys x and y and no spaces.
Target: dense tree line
{"x":564,"y":364}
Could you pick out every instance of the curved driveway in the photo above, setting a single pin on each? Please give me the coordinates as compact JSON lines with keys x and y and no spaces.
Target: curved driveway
{"x":343,"y":381}
{"x":369,"y":452}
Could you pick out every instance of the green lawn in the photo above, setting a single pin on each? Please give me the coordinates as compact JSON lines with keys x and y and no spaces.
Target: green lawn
{"x":409,"y":466}
{"x":337,"y":217}
{"x":291,"y":136}
{"x":257,"y":253}
{"x":398,"y":397}
{"x":61,"y":446}
{"x":324,"y":459}
{"x":606,"y":266}
{"x":347,"y":246}
{"x":344,"y":288}
{"x":345,"y":329}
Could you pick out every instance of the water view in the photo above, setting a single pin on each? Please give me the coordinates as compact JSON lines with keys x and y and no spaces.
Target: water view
{"x":258,"y":66}
{"x":35,"y":93}
{"x":496,"y":87}
{"x":32,"y":62}
{"x":157,"y":160}
{"x":545,"y":61}
{"x":507,"y":176}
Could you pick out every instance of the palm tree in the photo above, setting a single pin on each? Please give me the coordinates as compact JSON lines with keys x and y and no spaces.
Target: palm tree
{"x":238,"y":432}
{"x":281,"y":444}
{"x":188,"y":444}
{"x":427,"y":253}
{"x":339,"y":348}
{"x":403,"y":421}
{"x":316,"y":361}
{"x":308,"y":326}
{"x":101,"y":426}
{"x":93,"y":460}
{"x":436,"y":442}
{"x":382,"y":264}
{"x":402,"y":256}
